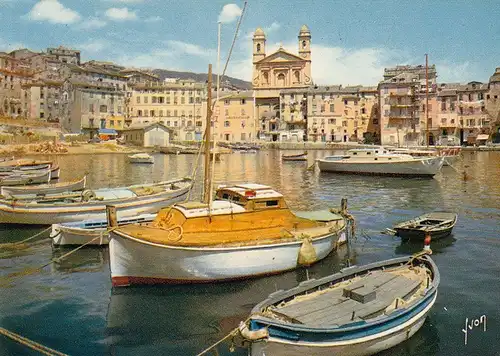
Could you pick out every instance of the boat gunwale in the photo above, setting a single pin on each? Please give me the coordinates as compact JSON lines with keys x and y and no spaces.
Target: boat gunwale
{"x":305,"y":286}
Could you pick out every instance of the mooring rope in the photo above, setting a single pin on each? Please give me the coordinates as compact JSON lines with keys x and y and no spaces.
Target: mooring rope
{"x":30,"y":343}
{"x":233,"y":333}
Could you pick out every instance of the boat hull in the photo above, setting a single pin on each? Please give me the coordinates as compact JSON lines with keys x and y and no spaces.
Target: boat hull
{"x":412,"y":168}
{"x":68,"y":237}
{"x":12,"y":212}
{"x":409,"y":234}
{"x":361,"y":346}
{"x":133,"y":261}
{"x":45,"y":188}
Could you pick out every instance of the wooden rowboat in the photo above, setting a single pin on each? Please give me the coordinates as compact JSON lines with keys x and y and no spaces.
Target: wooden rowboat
{"x":25,"y":178}
{"x":91,"y":204}
{"x":298,"y":157}
{"x":358,"y":311}
{"x":44,"y":189}
{"x":437,"y":225}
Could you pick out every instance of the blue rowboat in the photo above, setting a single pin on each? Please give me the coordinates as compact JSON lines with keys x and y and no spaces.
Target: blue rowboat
{"x":358,"y":311}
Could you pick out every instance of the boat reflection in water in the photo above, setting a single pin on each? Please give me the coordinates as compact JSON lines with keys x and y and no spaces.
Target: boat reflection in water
{"x":185,"y":319}
{"x":407,"y":247}
{"x":89,"y":259}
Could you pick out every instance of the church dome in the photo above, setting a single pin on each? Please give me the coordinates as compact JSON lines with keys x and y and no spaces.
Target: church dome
{"x":304,"y":30}
{"x":259,"y":32}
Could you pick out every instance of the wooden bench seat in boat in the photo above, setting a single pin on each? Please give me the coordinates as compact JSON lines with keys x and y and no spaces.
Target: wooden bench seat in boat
{"x":337,"y":307}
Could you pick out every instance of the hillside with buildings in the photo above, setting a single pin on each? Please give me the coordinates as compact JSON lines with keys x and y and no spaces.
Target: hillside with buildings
{"x":226,"y":81}
{"x":282,"y":103}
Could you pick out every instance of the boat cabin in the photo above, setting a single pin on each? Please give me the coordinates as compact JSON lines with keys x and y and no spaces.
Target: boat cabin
{"x":364,"y":152}
{"x":252,"y":196}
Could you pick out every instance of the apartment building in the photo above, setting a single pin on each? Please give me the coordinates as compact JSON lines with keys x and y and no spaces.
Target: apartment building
{"x":14,"y":73}
{"x":234,"y":118}
{"x":179,"y":105}
{"x":407,"y":106}
{"x":42,"y":100}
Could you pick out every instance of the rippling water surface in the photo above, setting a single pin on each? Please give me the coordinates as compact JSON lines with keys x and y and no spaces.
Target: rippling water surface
{"x":70,"y":306}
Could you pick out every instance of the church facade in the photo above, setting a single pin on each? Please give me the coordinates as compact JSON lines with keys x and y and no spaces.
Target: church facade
{"x":273,"y":73}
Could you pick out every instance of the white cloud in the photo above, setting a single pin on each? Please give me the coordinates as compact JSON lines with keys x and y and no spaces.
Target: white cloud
{"x":120,"y":14}
{"x":54,"y":12}
{"x":92,"y":23}
{"x":229,"y":13}
{"x":93,"y":46}
{"x":153,"y":19}
{"x":180,"y":47}
{"x":272,"y":28}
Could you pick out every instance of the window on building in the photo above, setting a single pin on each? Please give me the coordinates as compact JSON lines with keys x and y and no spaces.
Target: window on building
{"x":145,"y":113}
{"x":183,"y":100}
{"x":332,"y":121}
{"x":168,"y":100}
{"x":227,"y":123}
{"x":119,"y":109}
{"x":363,"y":111}
{"x":345,"y":102}
{"x":175,"y":123}
{"x":138,"y":99}
{"x":332,"y":108}
{"x":103,"y":108}
{"x":145,"y":100}
{"x":175,"y":113}
{"x":42,"y":115}
{"x":152,"y":113}
{"x":227,"y":102}
{"x":242,"y":112}
{"x":258,"y":47}
{"x":139,"y":112}
{"x":344,"y":123}
{"x":183,"y":113}
{"x":226,"y":112}
{"x":161,"y":113}
{"x":111,"y":122}
{"x":154,"y":100}
{"x":322,"y":108}
{"x":168,"y":113}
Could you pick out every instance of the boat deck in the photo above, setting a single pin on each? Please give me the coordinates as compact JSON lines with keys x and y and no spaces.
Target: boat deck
{"x":226,"y":235}
{"x":359,"y":299}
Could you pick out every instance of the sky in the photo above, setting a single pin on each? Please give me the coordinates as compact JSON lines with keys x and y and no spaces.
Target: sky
{"x":352,"y":41}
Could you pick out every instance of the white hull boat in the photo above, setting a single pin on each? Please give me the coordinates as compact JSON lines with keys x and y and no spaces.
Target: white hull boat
{"x":141,"y":158}
{"x":379,"y":162}
{"x":86,"y":232}
{"x":190,"y":243}
{"x":91,"y":204}
{"x":19,"y":178}
{"x":136,"y":262}
{"x":44,"y":189}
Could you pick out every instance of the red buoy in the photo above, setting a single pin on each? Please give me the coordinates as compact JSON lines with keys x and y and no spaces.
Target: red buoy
{"x":427,"y":243}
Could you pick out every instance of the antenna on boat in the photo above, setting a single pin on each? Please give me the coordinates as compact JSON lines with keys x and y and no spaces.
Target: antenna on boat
{"x":210,"y":197}
{"x":427,"y":135}
{"x":206,"y":183}
{"x":209,"y":177}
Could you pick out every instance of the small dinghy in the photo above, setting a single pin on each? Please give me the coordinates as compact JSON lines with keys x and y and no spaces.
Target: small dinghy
{"x":141,"y":158}
{"x":299,"y":157}
{"x":437,"y":225}
{"x":358,"y":311}
{"x":44,"y":189}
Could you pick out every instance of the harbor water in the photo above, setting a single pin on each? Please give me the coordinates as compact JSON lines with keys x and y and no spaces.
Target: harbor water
{"x":70,"y":306}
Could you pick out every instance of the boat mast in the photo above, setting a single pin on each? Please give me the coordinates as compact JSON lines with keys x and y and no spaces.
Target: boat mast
{"x":427,"y":100}
{"x":206,"y":183}
{"x":210,"y":196}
